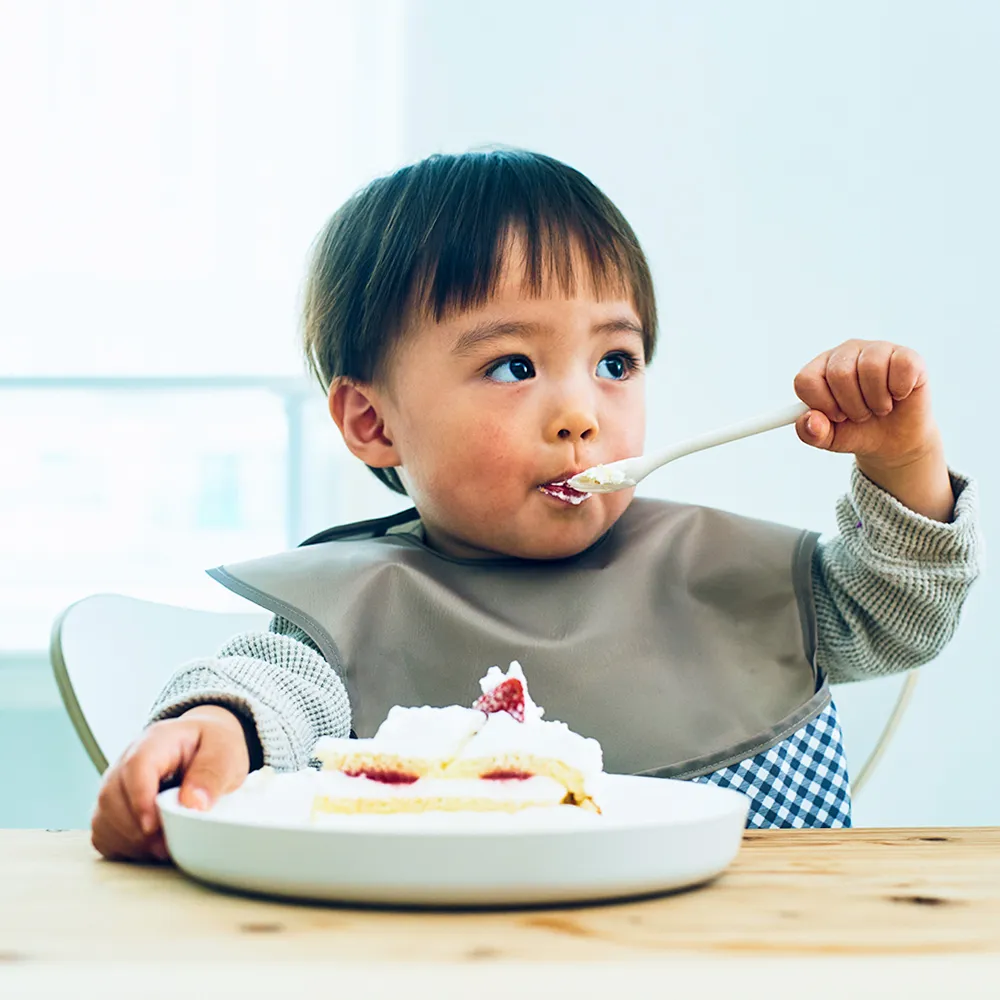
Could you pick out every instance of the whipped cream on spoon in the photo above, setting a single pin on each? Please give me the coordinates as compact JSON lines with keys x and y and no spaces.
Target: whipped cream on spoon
{"x":629,"y":472}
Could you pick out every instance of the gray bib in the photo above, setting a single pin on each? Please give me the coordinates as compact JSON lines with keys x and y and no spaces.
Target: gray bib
{"x":683,"y":640}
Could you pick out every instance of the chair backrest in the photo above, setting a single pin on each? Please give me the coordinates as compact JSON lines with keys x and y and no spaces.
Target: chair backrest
{"x":112,"y":655}
{"x":870,"y":713}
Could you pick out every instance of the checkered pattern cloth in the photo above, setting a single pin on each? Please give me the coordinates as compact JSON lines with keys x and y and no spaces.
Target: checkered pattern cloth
{"x":801,"y":781}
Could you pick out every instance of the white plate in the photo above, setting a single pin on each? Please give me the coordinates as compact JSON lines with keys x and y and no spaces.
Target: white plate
{"x":654,"y":835}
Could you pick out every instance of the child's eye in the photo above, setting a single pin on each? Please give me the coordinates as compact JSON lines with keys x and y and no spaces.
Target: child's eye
{"x":515,"y":369}
{"x":617,"y":366}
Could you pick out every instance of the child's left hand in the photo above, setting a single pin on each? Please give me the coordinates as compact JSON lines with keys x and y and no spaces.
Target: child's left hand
{"x":868,"y":398}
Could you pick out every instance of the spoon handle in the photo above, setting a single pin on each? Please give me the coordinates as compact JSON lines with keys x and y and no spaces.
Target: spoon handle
{"x":746,"y":428}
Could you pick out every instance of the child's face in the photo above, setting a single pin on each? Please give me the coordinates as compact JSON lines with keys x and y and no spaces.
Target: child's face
{"x":486,"y":406}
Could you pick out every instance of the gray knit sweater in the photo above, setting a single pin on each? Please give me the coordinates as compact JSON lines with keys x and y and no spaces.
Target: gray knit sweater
{"x":888,"y":590}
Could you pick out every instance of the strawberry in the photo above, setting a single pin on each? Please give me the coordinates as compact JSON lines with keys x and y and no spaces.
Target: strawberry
{"x":507,"y":696}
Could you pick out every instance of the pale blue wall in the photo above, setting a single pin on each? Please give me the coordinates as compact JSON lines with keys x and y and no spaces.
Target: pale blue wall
{"x":799,"y":174}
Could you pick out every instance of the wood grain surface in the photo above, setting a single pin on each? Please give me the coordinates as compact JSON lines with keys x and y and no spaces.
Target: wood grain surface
{"x":913,"y":892}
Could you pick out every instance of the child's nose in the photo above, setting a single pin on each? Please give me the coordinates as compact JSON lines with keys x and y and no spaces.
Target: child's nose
{"x":574,"y":425}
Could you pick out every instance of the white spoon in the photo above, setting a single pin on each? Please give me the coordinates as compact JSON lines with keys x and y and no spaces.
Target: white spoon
{"x":629,"y":472}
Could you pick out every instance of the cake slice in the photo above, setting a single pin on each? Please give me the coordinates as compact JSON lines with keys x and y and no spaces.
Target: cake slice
{"x":411,"y":743}
{"x":496,"y":756}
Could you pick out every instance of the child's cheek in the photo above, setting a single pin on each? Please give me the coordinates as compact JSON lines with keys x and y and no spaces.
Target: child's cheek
{"x":510,"y":454}
{"x":472,"y":450}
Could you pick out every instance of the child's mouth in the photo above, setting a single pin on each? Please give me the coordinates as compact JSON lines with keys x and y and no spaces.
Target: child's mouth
{"x":561,"y":490}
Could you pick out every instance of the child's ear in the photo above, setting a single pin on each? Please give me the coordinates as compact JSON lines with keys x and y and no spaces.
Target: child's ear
{"x":357,"y":410}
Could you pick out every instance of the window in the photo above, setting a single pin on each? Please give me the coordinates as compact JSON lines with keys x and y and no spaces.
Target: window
{"x":173,"y":164}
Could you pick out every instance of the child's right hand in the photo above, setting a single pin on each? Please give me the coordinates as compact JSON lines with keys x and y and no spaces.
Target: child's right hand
{"x":206,"y":747}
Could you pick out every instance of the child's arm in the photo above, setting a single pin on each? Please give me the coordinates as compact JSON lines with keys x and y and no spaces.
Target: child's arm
{"x":277,"y":682}
{"x":889,"y":588}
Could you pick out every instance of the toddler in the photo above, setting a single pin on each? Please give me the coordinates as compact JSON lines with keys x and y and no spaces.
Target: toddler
{"x":482,"y":324}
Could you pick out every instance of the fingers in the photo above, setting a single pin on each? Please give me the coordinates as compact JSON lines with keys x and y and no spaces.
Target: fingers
{"x":116,"y":831}
{"x":165,"y":749}
{"x":873,"y":377}
{"x":858,"y":380}
{"x":126,"y":823}
{"x":812,"y":388}
{"x":156,"y":846}
{"x":907,"y":372}
{"x":219,"y":765}
{"x":816,"y":428}
{"x":843,"y":379}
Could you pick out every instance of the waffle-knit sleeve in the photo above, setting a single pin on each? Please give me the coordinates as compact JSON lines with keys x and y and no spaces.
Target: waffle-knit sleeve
{"x":277,"y":682}
{"x":889,"y":587}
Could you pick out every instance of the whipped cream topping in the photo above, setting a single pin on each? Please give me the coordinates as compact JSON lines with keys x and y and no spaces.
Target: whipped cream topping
{"x":426,"y":732}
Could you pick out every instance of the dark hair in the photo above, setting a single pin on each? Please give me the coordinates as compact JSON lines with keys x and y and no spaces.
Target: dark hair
{"x":433,"y":235}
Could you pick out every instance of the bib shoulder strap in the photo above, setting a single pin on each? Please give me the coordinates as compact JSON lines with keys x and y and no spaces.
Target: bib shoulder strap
{"x":375,"y":528}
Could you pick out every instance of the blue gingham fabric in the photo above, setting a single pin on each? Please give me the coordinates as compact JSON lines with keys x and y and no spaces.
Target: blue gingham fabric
{"x":800,"y":782}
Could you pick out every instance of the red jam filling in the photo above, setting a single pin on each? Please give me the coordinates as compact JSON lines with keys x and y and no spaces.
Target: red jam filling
{"x":386,"y":775}
{"x":508,"y":774}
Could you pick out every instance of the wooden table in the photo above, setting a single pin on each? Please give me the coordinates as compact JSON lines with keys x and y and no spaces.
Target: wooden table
{"x":825,"y":913}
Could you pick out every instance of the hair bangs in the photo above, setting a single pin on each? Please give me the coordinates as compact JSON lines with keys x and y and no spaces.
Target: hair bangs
{"x":556,"y":218}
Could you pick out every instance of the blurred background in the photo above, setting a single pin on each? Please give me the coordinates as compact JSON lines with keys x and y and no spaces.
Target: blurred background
{"x":797,"y":173}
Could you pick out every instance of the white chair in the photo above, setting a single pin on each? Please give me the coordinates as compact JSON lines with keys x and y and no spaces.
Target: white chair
{"x":112,"y":655}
